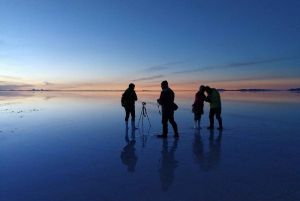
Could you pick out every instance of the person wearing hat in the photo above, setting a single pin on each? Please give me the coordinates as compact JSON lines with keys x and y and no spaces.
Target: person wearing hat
{"x":130,"y":105}
{"x":198,"y":106}
{"x":214,"y":98}
{"x":166,"y":100}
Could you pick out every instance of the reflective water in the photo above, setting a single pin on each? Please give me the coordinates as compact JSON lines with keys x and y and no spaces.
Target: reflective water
{"x":74,"y":146}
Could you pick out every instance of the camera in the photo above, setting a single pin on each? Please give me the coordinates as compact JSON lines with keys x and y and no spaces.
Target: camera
{"x":143,"y":103}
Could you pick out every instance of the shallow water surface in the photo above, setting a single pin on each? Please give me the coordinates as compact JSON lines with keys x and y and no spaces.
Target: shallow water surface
{"x":74,"y":146}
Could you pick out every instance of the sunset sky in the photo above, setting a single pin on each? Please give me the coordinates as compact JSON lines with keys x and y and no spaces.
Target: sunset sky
{"x":107,"y":44}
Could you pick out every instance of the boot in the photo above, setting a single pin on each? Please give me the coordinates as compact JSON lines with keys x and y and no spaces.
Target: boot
{"x":174,"y":125}
{"x":133,"y":125}
{"x":162,"y":136}
{"x":195,"y":124}
{"x":211,"y":120}
{"x":198,"y":123}
{"x":126,"y":124}
{"x":165,"y":132}
{"x":220,"y":124}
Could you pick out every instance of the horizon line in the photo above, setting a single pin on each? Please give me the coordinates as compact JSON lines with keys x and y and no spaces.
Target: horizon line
{"x":102,"y":90}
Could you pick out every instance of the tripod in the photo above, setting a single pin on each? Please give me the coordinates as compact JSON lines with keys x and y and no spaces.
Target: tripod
{"x":144,"y":114}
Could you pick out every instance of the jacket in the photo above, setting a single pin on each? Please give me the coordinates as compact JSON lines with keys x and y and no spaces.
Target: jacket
{"x":166,"y":100}
{"x":215,"y":98}
{"x":198,"y":103}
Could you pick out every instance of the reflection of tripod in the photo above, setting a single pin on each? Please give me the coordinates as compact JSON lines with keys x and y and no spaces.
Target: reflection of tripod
{"x":144,"y":114}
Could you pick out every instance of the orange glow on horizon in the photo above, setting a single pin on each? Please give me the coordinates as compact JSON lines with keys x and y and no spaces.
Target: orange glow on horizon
{"x":280,"y":84}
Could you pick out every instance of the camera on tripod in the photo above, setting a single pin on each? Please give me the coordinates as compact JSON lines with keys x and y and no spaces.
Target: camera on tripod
{"x":144,"y":114}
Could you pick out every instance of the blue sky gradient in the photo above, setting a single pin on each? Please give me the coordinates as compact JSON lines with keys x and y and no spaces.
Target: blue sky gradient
{"x":98,"y":45}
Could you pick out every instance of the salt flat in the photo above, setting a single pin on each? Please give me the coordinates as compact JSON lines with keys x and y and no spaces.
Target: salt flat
{"x":74,"y":146}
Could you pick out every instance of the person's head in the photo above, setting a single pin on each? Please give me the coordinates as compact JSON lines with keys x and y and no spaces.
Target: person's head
{"x":207,"y":89}
{"x":164,"y":84}
{"x":201,"y":88}
{"x":131,"y":86}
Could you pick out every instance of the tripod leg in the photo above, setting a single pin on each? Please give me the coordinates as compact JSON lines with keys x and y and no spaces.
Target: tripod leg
{"x":140,"y":119}
{"x":147,"y":117}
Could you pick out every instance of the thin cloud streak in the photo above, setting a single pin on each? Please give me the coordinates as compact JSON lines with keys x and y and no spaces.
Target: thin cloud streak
{"x":15,"y":87}
{"x":236,"y":65}
{"x":163,"y":66}
{"x":48,"y":83}
{"x":149,"y":78}
{"x":9,"y":77}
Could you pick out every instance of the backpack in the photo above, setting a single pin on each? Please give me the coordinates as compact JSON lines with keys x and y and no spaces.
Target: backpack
{"x":175,"y":106}
{"x":125,"y":99}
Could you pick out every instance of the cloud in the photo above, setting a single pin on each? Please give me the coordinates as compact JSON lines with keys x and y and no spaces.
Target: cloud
{"x":250,"y":79}
{"x":163,"y":66}
{"x":236,"y":65}
{"x":48,"y":83}
{"x":9,"y":77}
{"x":15,"y":86}
{"x":148,"y":78}
{"x":251,"y":63}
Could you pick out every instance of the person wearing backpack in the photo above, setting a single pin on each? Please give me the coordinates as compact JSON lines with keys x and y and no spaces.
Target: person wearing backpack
{"x":128,"y":102}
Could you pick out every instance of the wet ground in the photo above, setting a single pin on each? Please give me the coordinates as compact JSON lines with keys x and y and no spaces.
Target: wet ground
{"x":74,"y":146}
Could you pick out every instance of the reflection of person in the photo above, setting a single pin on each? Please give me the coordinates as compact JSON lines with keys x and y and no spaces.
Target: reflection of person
{"x":166,"y":100}
{"x":198,"y":150}
{"x":213,"y":156}
{"x":198,"y":106}
{"x":128,"y":156}
{"x":129,"y":107}
{"x":214,"y":98}
{"x":168,"y":164}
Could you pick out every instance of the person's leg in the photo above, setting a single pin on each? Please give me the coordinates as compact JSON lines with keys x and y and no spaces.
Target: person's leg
{"x":212,"y":113}
{"x":219,"y":118}
{"x":126,"y":117}
{"x":174,"y":124}
{"x":199,"y":121}
{"x":132,"y":112}
{"x":196,"y":119}
{"x":164,"y":121}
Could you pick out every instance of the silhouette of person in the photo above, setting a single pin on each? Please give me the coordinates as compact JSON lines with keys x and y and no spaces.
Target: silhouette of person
{"x":166,"y":100}
{"x":128,"y":155}
{"x":168,"y":164}
{"x":198,"y":106}
{"x":213,"y":156}
{"x":130,"y":105}
{"x":198,"y":150}
{"x":214,"y":98}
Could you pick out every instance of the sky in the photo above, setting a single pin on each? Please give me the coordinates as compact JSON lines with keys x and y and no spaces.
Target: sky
{"x":107,"y":44}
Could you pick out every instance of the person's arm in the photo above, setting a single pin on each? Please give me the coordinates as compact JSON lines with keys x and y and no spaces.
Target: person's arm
{"x":135,"y":97}
{"x":208,"y":98}
{"x":160,"y":100}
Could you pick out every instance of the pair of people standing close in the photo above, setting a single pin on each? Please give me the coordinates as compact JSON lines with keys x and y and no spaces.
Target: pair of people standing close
{"x":214,"y":98}
{"x":166,"y":100}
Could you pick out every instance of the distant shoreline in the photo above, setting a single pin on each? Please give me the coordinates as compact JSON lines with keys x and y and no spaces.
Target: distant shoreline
{"x":220,"y":90}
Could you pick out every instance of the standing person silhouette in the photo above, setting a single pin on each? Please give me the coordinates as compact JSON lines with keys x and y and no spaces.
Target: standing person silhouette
{"x":214,"y":98}
{"x":166,"y":100}
{"x":198,"y":106}
{"x":130,"y":105}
